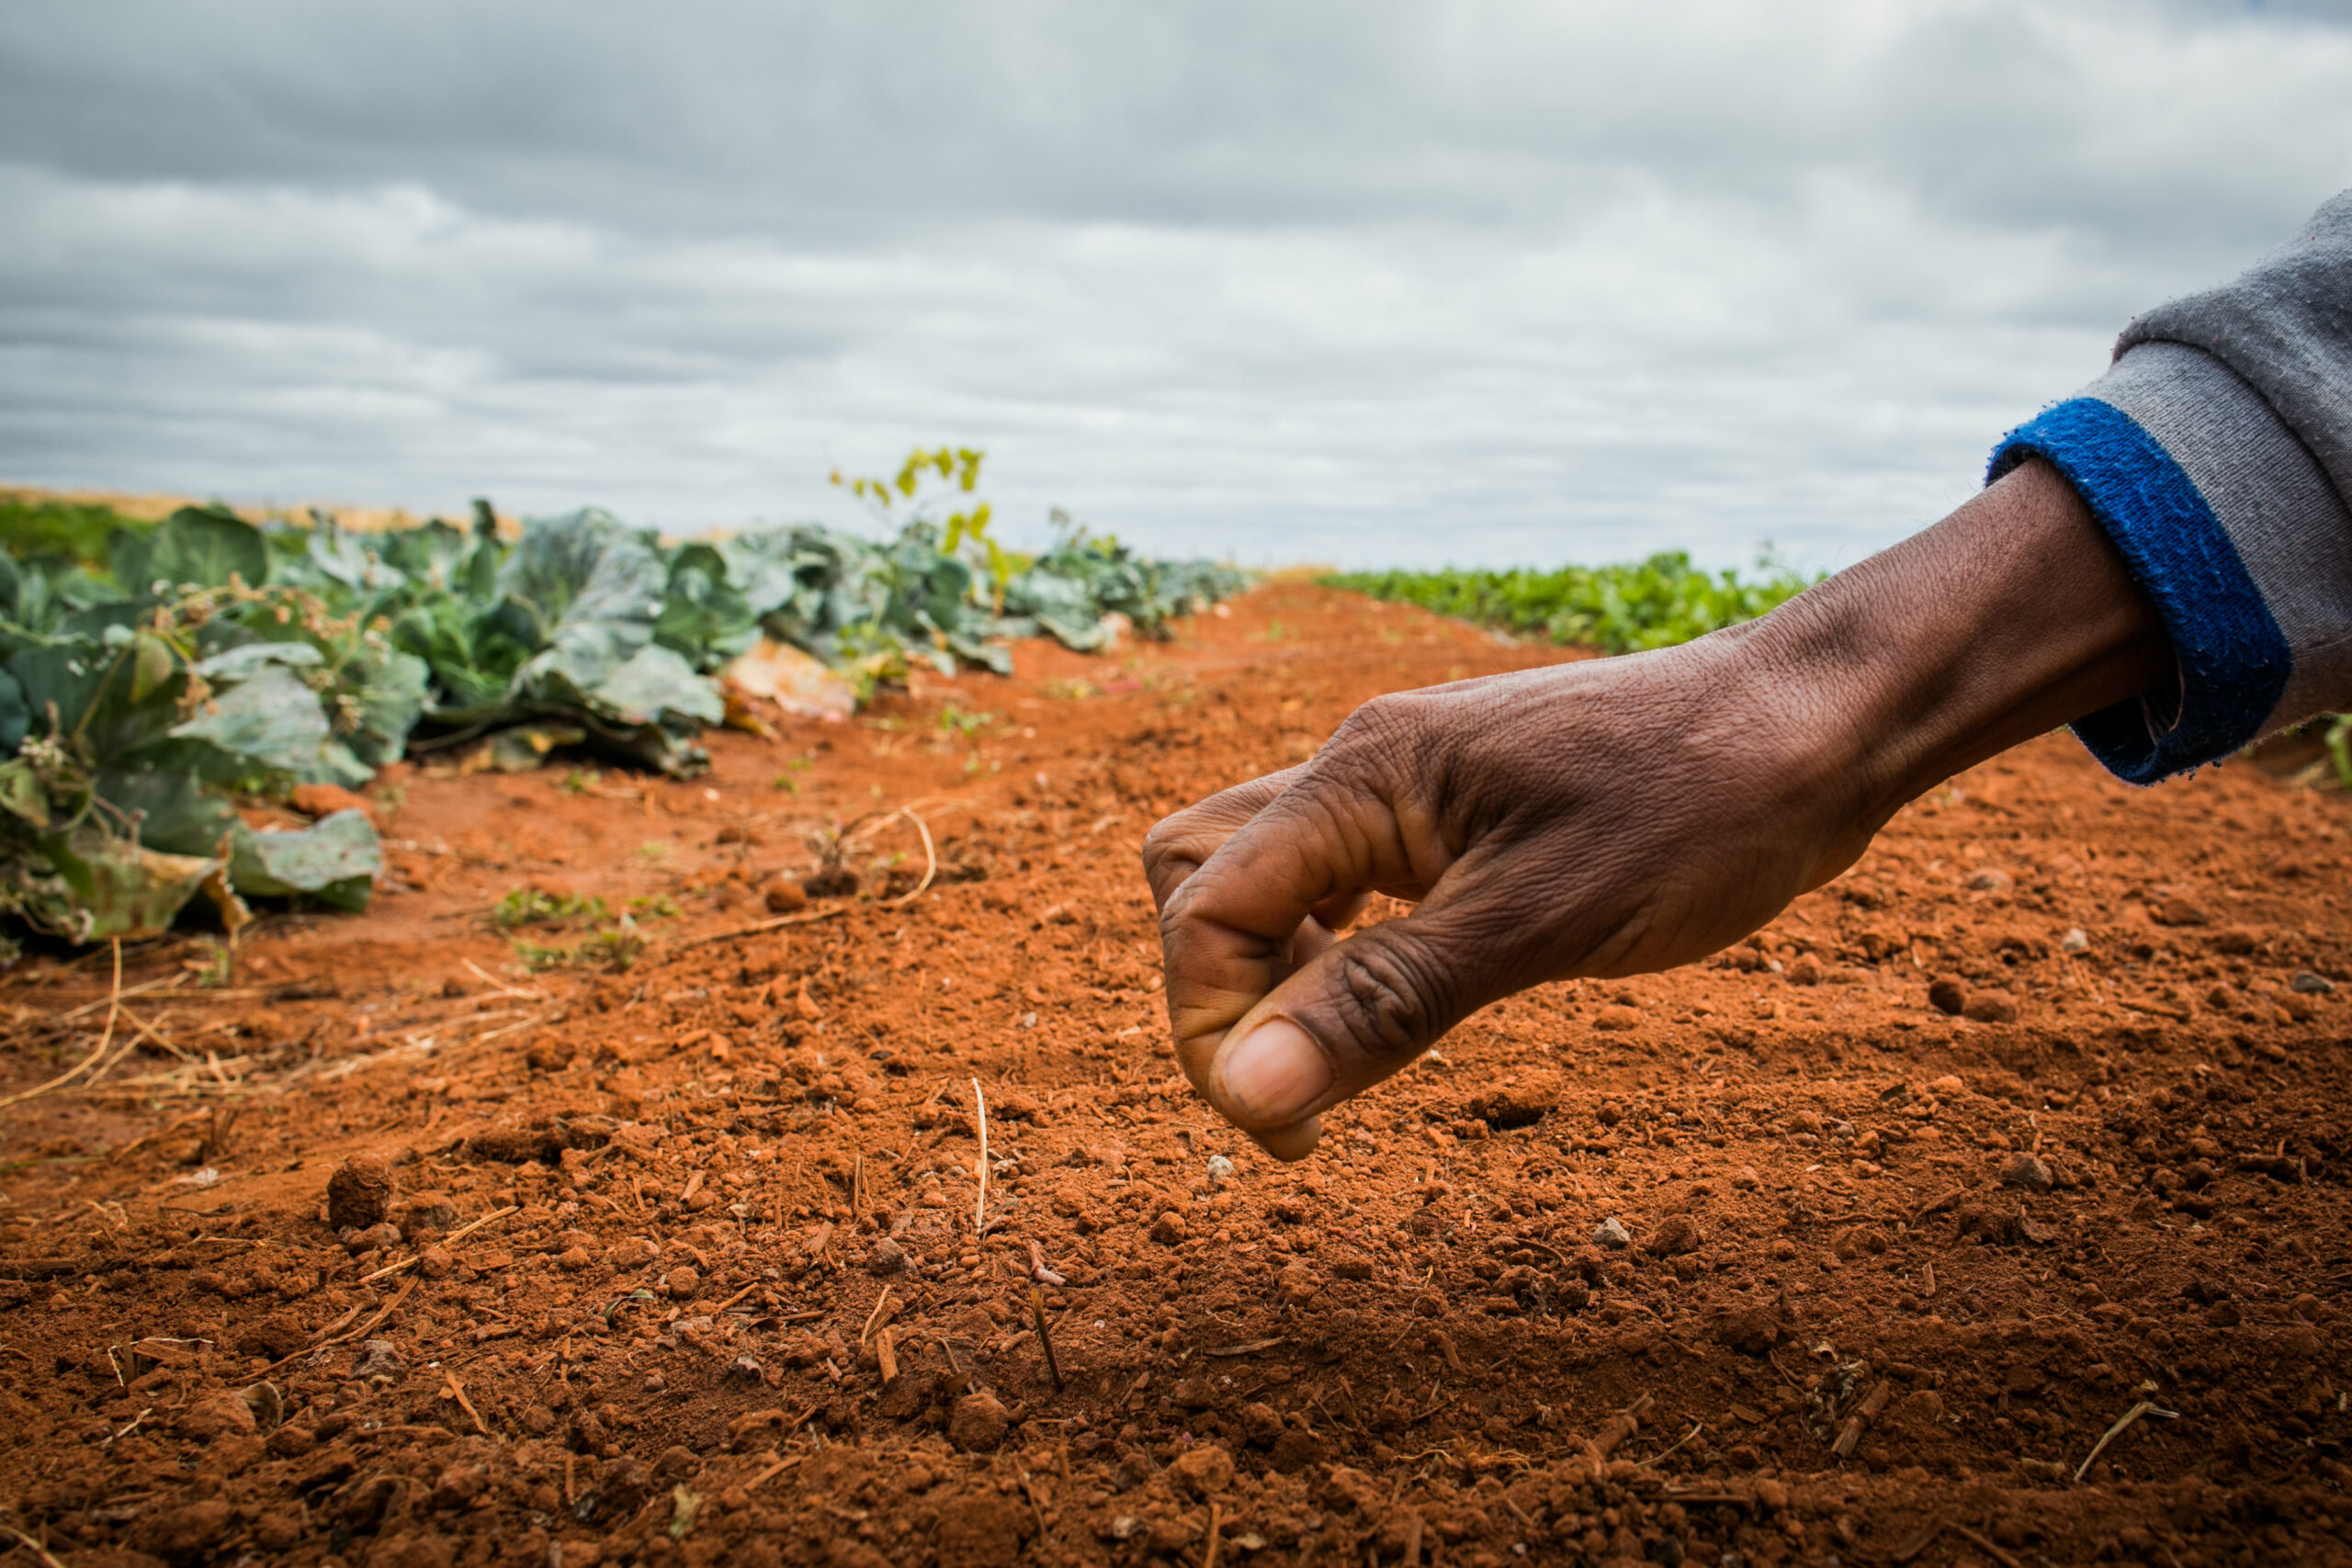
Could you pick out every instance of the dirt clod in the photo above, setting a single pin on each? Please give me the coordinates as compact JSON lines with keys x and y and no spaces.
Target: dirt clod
{"x":1676,"y":1234}
{"x":783,"y":897}
{"x":1751,"y":1331}
{"x":359,"y":1193}
{"x":2022,"y":1169}
{"x":1990,"y":1006}
{"x":1203,"y":1471}
{"x":979,"y":1424}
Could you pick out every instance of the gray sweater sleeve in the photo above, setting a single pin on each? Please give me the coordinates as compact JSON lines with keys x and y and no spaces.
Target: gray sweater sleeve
{"x":2216,"y":453}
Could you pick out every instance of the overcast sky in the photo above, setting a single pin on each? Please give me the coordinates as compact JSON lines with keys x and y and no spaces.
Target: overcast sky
{"x":1472,"y":281}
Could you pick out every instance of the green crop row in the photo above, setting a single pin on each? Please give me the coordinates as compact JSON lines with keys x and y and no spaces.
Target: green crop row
{"x":1618,"y":609}
{"x":150,"y":677}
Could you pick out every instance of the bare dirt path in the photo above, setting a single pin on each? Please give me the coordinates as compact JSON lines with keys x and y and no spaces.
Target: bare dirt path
{"x":2031,"y":1121}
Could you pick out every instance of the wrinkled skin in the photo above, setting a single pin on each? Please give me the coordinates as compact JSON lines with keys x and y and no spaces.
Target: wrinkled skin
{"x":1617,"y":816}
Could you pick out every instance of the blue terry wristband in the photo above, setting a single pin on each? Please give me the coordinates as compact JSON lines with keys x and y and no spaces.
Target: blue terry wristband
{"x":2234,"y":659}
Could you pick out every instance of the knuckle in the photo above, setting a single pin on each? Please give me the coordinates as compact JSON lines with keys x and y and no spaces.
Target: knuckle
{"x":1374,"y":735}
{"x":1391,"y":998}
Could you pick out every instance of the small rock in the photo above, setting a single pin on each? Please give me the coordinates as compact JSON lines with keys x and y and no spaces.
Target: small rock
{"x":378,"y":1358}
{"x":1204,"y":1470}
{"x":745,"y":1367}
{"x":783,"y":897}
{"x":1617,"y":1019}
{"x":682,"y":1284}
{"x":1220,"y":1169}
{"x":1991,"y":881}
{"x":1946,"y":996}
{"x":1170,"y":1228}
{"x":1991,"y":1006}
{"x":2307,"y":983}
{"x":1612,"y":1233}
{"x":2022,"y":1169}
{"x":2076,"y":939}
{"x":359,"y":1193}
{"x":888,"y":1258}
{"x":979,"y":1424}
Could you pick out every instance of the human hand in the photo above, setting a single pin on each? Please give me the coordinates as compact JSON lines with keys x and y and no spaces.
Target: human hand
{"x":1616,"y":816}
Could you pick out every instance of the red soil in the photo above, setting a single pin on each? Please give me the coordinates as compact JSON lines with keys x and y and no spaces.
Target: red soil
{"x":1840,"y":1332}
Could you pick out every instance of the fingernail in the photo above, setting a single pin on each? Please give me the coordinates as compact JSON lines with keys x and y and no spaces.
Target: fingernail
{"x":1274,"y":1073}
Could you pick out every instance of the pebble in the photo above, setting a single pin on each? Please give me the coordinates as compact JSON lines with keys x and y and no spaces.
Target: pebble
{"x":2076,"y":939}
{"x":1612,"y":1233}
{"x":1991,"y":881}
{"x":2307,"y":983}
{"x":1945,"y":996}
{"x":888,"y":1258}
{"x":1220,"y":1169}
{"x":2024,"y":1170}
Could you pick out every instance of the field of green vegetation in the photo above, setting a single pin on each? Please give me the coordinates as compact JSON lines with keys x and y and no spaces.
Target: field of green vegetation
{"x":153,"y":676}
{"x":1618,"y":609}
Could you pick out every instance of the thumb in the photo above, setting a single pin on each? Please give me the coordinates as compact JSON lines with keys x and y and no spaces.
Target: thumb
{"x":1361,"y":1011}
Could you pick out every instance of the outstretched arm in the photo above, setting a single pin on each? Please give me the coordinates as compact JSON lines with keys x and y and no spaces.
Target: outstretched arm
{"x":1621,"y":814}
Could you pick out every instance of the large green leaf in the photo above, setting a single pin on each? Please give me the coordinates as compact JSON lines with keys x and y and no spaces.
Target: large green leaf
{"x":271,"y":717}
{"x":206,"y":546}
{"x":337,"y":858}
{"x":175,"y":812}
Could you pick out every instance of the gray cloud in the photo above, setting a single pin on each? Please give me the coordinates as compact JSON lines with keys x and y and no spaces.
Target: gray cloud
{"x":1374,"y":282}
